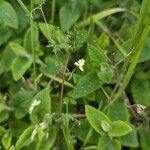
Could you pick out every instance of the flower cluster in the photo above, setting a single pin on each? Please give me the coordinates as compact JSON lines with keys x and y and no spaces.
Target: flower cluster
{"x":80,"y":64}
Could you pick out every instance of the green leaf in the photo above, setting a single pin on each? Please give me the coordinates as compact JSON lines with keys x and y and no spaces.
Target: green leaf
{"x":23,"y":20}
{"x":6,"y":139}
{"x":118,"y":111}
{"x":8,"y":15}
{"x":119,"y":128}
{"x":95,"y":118}
{"x":21,"y":102}
{"x":46,"y":143}
{"x":8,"y":58}
{"x":68,"y":16}
{"x":145,"y":55}
{"x":88,"y":84}
{"x":46,"y":30}
{"x":56,"y":38}
{"x":130,"y":139}
{"x":5,"y":34}
{"x":2,"y":130}
{"x":96,"y":55}
{"x":4,"y":116}
{"x":12,"y":147}
{"x":103,"y":41}
{"x":50,"y":68}
{"x":19,"y":67}
{"x":144,"y":138}
{"x":140,"y":87}
{"x":25,"y":138}
{"x":82,"y":130}
{"x":106,"y":74}
{"x":19,"y":50}
{"x":67,"y":135}
{"x":45,"y":102}
{"x":27,"y":39}
{"x":105,"y":143}
{"x":17,"y":127}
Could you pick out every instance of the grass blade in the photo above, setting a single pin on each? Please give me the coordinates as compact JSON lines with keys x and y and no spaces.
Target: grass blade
{"x":100,"y":15}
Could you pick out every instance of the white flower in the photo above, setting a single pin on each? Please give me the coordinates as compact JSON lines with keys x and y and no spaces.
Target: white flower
{"x":43,"y":125}
{"x":33,"y":134}
{"x":80,"y":64}
{"x":33,"y":105}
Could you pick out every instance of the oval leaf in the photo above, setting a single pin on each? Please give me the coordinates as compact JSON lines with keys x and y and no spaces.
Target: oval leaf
{"x":19,"y":67}
{"x":25,"y":138}
{"x":47,"y":143}
{"x":130,"y":139}
{"x":88,"y":84}
{"x":68,"y":16}
{"x":45,"y":102}
{"x":105,"y":143}
{"x":95,"y":118}
{"x":119,"y":128}
{"x":8,"y":15}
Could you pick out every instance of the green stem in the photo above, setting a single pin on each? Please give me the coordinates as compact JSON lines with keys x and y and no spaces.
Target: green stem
{"x":31,"y":5}
{"x":23,"y":6}
{"x":60,"y":81}
{"x":32,"y":37}
{"x":47,"y":28}
{"x":53,"y":11}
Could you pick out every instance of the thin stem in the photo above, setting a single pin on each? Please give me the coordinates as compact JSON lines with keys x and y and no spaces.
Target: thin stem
{"x":32,"y":47}
{"x":23,"y":6}
{"x":106,"y":94}
{"x":32,"y":37}
{"x":53,"y":11}
{"x":61,"y":94}
{"x":85,"y":10}
{"x":31,"y":5}
{"x":62,"y":85}
{"x":66,"y":83}
{"x":47,"y":28}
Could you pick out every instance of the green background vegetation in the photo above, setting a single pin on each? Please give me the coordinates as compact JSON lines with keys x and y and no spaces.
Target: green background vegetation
{"x":48,"y":102}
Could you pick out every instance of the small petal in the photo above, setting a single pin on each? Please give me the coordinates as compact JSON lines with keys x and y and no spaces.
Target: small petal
{"x":81,"y":68}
